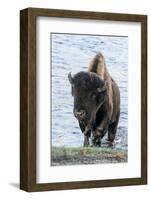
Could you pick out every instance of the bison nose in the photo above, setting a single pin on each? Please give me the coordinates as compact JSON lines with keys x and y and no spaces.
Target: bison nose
{"x":80,"y":114}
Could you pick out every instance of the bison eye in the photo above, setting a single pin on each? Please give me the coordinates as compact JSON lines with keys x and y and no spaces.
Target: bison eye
{"x":93,"y":96}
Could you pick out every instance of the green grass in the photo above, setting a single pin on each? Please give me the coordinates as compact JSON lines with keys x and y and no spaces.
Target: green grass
{"x":88,"y":151}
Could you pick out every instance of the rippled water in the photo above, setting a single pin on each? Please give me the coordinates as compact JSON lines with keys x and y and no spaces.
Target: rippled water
{"x":72,"y":53}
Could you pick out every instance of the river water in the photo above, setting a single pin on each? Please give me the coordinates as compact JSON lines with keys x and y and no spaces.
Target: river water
{"x":72,"y":53}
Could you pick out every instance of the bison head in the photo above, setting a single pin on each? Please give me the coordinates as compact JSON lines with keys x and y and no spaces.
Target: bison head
{"x":89,"y":91}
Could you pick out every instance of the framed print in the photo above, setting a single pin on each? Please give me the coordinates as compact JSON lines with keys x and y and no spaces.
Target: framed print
{"x":83,"y":99}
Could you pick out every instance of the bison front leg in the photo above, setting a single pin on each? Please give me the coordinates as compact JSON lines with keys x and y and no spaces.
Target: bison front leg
{"x":99,"y":133}
{"x":86,"y":141}
{"x":87,"y":134}
{"x":96,"y":141}
{"x":112,"y":130}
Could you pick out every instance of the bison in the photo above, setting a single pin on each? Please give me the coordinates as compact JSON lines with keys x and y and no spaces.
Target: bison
{"x":96,"y":102}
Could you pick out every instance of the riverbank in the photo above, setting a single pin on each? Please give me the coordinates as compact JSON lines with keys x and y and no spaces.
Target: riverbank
{"x":89,"y":155}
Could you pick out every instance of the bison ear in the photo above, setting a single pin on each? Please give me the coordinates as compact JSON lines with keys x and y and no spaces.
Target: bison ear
{"x":70,"y":78}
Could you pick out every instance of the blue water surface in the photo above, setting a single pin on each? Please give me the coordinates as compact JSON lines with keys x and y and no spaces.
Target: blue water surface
{"x":72,"y":53}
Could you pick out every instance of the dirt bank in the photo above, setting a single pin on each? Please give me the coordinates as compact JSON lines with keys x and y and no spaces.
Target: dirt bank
{"x":78,"y":156}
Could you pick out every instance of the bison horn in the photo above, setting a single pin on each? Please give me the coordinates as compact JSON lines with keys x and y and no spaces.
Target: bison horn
{"x":70,"y":78}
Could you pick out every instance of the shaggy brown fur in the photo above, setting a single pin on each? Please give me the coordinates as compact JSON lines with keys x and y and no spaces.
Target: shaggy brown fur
{"x":112,"y":102}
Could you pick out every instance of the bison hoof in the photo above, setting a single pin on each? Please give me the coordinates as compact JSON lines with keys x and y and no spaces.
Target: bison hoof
{"x":111,"y":144}
{"x":86,"y":141}
{"x":96,"y":145}
{"x":96,"y":142}
{"x":85,"y":144}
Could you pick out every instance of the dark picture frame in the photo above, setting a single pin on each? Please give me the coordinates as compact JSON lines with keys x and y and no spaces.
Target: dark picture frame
{"x":28,"y":99}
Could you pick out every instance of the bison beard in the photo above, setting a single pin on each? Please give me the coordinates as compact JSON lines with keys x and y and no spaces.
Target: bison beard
{"x":96,"y":102}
